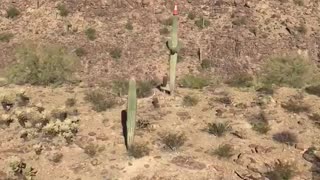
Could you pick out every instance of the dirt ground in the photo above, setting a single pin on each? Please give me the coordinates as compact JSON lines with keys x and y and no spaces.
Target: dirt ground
{"x":253,"y":152}
{"x":242,"y":34}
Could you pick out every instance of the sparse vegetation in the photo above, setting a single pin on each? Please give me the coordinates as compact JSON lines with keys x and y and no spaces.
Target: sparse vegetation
{"x":241,"y":80}
{"x":224,"y":100}
{"x":120,"y":87}
{"x":299,"y":2}
{"x":100,"y":100}
{"x":202,"y":23}
{"x":70,"y":102}
{"x":115,"y":53}
{"x":314,"y":90}
{"x":92,"y":149}
{"x":286,"y":137}
{"x":143,"y":123}
{"x":260,"y":123}
{"x":63,"y":11}
{"x":190,"y":100}
{"x":12,"y":12}
{"x":174,"y":140}
{"x":206,"y":64}
{"x":5,"y":37}
{"x":167,"y":22}
{"x":80,"y":52}
{"x":192,"y":15}
{"x":224,"y":151}
{"x":281,"y":171}
{"x":129,"y":26}
{"x":219,"y":129}
{"x":139,"y":150}
{"x":315,"y":117}
{"x":144,"y":88}
{"x":293,"y":71}
{"x":194,"y":82}
{"x":91,"y":34}
{"x":302,"y":29}
{"x":164,"y":31}
{"x":296,"y":106}
{"x":239,"y":21}
{"x":42,"y":65}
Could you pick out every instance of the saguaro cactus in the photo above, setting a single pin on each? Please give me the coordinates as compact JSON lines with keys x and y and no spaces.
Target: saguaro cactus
{"x":131,"y":112}
{"x":174,"y":47}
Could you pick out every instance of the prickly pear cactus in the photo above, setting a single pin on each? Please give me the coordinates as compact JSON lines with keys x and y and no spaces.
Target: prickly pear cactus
{"x":131,"y":112}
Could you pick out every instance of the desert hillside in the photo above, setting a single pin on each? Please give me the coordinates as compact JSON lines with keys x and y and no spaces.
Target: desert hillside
{"x":244,"y":103}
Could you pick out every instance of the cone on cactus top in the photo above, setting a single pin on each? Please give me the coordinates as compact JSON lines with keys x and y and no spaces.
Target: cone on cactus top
{"x":175,"y":10}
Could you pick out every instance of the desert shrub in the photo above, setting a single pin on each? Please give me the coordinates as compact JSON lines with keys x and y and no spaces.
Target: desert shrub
{"x":241,"y":80}
{"x":190,"y":100}
{"x":192,"y":15}
{"x":239,"y":21}
{"x":80,"y":52}
{"x":91,"y":149}
{"x":115,"y":53}
{"x":139,"y":150}
{"x":91,"y":34}
{"x":295,"y":106}
{"x":202,"y":23}
{"x":313,"y":89}
{"x":143,"y":124}
{"x":70,"y":102}
{"x":302,"y":29}
{"x":42,"y":65}
{"x":194,"y":82}
{"x":224,"y":151}
{"x":206,"y":64}
{"x":281,"y":171}
{"x":120,"y":87}
{"x":298,"y":2}
{"x":5,"y":37}
{"x":100,"y":100}
{"x":164,"y":31}
{"x":292,"y":71}
{"x":12,"y":12}
{"x":129,"y":26}
{"x":286,"y":137}
{"x":63,"y":11}
{"x":260,"y":123}
{"x":168,"y":21}
{"x":144,"y":88}
{"x":219,"y":129}
{"x":174,"y":140}
{"x":315,"y":117}
{"x":224,"y":100}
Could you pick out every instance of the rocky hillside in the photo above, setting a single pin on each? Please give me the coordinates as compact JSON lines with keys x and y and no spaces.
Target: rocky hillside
{"x":239,"y":36}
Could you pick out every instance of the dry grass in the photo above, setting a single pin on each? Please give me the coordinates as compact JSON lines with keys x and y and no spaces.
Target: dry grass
{"x":100,"y":100}
{"x":194,"y":82}
{"x":219,"y":129}
{"x":190,"y":100}
{"x":174,"y":140}
{"x":139,"y":150}
{"x":42,"y":65}
{"x":286,"y":137}
{"x":223,"y":151}
{"x":281,"y":171}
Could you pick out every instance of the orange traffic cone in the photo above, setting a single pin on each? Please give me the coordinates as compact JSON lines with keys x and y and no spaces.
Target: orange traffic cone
{"x":175,"y":10}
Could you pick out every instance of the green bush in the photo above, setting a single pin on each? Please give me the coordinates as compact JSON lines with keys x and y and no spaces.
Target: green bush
{"x":224,"y":151}
{"x":91,"y":34}
{"x":281,"y":171}
{"x":42,"y":65}
{"x":241,"y":80}
{"x":12,"y":12}
{"x":194,"y":82}
{"x":100,"y":100}
{"x":202,"y":23}
{"x":5,"y":37}
{"x":63,"y":11}
{"x":292,"y":71}
{"x":190,"y":100}
{"x":219,"y":129}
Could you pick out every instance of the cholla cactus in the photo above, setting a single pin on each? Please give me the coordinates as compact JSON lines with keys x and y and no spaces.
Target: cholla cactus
{"x":131,"y":112}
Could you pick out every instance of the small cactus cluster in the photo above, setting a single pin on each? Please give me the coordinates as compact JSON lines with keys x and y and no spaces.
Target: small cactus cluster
{"x":36,"y":119}
{"x":18,"y":168}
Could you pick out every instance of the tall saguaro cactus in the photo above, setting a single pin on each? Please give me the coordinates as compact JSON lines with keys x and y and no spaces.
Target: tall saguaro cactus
{"x":131,"y":112}
{"x":174,"y":47}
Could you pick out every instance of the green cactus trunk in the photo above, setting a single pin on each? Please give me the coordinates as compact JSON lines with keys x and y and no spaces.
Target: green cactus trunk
{"x":131,"y":112}
{"x":174,"y":53}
